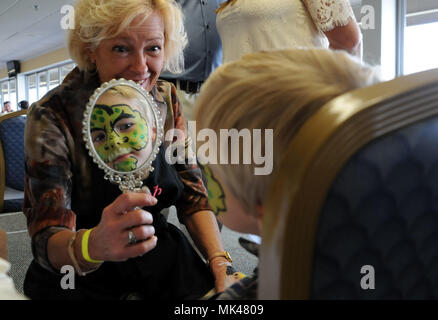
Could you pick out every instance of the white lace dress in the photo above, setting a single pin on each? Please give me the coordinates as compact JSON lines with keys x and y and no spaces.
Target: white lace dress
{"x":253,"y":25}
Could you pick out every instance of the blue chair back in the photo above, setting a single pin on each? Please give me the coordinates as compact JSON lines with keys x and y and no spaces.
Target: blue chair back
{"x":12,"y":157}
{"x":377,"y":235}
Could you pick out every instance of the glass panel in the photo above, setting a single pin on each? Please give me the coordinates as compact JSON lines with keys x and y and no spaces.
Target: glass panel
{"x":32,"y":88}
{"x":13,"y":94}
{"x":421,"y":12}
{"x":5,"y":92}
{"x":357,"y":6}
{"x":54,"y":78}
{"x":65,"y":69}
{"x":420,"y":52}
{"x":42,"y":76}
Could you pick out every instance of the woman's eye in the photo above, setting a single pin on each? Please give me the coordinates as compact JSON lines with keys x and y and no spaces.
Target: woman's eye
{"x":155,"y":49}
{"x":120,"y":49}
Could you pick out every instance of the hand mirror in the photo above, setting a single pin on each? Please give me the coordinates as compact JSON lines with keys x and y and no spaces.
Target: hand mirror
{"x":122,"y":130}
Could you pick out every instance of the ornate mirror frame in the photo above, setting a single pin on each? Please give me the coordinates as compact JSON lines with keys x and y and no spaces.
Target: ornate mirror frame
{"x":130,"y":180}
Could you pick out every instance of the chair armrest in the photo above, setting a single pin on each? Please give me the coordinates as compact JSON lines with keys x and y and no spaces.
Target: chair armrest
{"x":3,"y":245}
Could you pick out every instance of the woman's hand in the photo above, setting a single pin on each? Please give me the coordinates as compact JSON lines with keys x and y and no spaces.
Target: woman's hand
{"x":219,"y":269}
{"x":223,"y":279}
{"x":109,"y":241}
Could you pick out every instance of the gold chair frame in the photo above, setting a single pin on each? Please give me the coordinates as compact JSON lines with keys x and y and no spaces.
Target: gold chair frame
{"x":3,"y":245}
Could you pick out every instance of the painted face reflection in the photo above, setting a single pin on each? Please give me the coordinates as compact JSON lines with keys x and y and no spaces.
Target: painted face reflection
{"x":120,"y":135}
{"x":216,"y":196}
{"x":227,"y":208}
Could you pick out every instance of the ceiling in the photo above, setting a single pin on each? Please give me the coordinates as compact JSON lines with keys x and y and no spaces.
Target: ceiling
{"x":30,"y":28}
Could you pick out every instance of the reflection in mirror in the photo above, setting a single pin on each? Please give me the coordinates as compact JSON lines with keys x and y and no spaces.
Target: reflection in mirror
{"x":122,"y":130}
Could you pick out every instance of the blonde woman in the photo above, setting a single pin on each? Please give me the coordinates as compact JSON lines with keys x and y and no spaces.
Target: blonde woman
{"x":247,"y":26}
{"x":67,"y":200}
{"x":278,"y":91}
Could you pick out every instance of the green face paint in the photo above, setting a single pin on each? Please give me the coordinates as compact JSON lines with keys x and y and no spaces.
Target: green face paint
{"x":117,"y":131}
{"x":126,"y":165}
{"x":216,"y":195}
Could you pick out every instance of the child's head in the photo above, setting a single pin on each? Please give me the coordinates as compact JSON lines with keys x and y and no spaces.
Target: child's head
{"x":276,"y":90}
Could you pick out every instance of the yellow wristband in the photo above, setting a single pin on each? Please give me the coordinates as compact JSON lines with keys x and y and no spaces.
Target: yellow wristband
{"x":85,"y":247}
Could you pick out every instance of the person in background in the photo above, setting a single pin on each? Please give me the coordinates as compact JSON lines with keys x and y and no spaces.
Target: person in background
{"x":203,"y":53}
{"x":23,"y":105}
{"x":7,"y":107}
{"x":276,"y":90}
{"x":247,"y":26}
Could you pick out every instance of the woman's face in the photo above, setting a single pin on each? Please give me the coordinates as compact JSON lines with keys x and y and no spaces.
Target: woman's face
{"x":120,"y":133}
{"x":135,"y":54}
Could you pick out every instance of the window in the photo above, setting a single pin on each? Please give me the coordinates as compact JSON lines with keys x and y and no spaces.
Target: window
{"x":8,"y":92}
{"x":65,"y":70}
{"x":32,"y":93}
{"x":419,"y":48}
{"x":5,"y":92}
{"x":42,"y":84}
{"x":420,"y":52}
{"x":53,"y":78}
{"x":39,"y":83}
{"x":13,"y":93}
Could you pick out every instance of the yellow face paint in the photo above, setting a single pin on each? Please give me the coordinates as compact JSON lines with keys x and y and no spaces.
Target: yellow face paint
{"x":216,"y":195}
{"x":117,"y":131}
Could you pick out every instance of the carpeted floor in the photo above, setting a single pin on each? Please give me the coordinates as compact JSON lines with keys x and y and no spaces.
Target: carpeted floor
{"x":19,"y":252}
{"x":20,"y":255}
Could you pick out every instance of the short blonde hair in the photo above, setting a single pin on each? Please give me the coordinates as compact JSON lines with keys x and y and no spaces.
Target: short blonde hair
{"x":97,"y":20}
{"x":276,"y":90}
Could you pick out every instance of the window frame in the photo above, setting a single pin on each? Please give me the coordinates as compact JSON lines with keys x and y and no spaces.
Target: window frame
{"x":402,"y":17}
{"x":45,"y":70}
{"x":400,"y":37}
{"x":2,"y":98}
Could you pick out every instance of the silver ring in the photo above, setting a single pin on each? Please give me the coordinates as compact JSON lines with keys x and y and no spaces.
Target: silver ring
{"x":132,"y":238}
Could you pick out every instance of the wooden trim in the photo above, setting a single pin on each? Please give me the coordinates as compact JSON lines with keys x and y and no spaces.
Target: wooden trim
{"x":313,"y":159}
{"x":3,"y":245}
{"x":13,"y":115}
